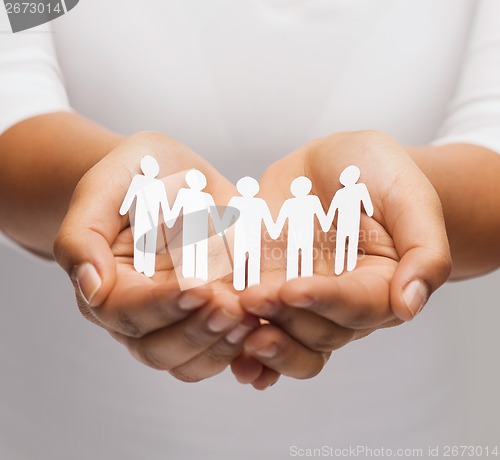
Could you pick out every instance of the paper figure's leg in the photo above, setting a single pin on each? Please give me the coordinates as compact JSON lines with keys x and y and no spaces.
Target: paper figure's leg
{"x":306,"y":262}
{"x":150,"y":253}
{"x":239,"y":267}
{"x":188,"y":260}
{"x":352,"y":252}
{"x":339,"y":253}
{"x":254,"y":267}
{"x":292,"y":262}
{"x":201,"y":260}
{"x":139,"y":243}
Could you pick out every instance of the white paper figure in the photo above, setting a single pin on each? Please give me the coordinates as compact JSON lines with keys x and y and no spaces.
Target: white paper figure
{"x":247,"y":231}
{"x":149,"y":194}
{"x":347,"y":201}
{"x":196,"y":206}
{"x":300,"y":212}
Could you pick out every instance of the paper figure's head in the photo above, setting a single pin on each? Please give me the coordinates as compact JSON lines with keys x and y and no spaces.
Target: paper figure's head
{"x":150,"y":166}
{"x":301,"y":186}
{"x":247,"y":186}
{"x":196,"y":180}
{"x":350,"y":175}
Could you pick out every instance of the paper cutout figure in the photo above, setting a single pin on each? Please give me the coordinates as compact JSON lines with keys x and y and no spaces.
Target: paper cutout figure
{"x":247,"y":231}
{"x":300,"y":212}
{"x":347,"y":201}
{"x":249,"y":213}
{"x":150,"y":195}
{"x":196,"y":206}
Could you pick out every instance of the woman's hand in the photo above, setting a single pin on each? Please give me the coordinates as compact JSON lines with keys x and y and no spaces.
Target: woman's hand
{"x":192,"y":334}
{"x":405,"y":257}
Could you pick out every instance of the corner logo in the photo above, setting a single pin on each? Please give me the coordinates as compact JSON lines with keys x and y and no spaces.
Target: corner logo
{"x":26,"y":15}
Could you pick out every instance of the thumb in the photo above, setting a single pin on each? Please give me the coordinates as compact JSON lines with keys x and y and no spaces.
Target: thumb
{"x":419,"y":234}
{"x":83,"y":245}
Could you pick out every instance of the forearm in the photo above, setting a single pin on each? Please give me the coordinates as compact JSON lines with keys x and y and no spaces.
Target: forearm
{"x":467,"y":180}
{"x":43,"y":158}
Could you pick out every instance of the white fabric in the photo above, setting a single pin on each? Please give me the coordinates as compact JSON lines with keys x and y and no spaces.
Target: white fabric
{"x":244,"y":83}
{"x":30,"y":79}
{"x":474,"y":114}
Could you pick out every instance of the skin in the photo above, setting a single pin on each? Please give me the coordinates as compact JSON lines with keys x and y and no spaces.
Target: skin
{"x":314,"y":316}
{"x":67,"y":162}
{"x":311,"y":317}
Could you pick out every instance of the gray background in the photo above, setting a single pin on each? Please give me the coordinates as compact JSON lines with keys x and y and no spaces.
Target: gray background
{"x":59,"y":374}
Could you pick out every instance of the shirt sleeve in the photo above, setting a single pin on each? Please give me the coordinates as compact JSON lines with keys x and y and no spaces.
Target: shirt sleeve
{"x":474,"y":113}
{"x":31,"y":82}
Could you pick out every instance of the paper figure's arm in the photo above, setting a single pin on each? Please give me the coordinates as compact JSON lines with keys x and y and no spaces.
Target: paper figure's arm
{"x":176,"y":208}
{"x":165,"y":208}
{"x":280,"y":222}
{"x":228,"y":216}
{"x":130,"y":196}
{"x":212,"y":209}
{"x":366,"y":200}
{"x":332,"y":210}
{"x":323,"y":218}
{"x":271,"y":226}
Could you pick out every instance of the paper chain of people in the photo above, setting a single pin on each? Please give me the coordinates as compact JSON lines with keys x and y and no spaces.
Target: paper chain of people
{"x":248,"y":213}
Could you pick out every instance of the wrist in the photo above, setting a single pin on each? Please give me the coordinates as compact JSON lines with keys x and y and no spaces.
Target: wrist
{"x":465,"y":177}
{"x":44,"y":159}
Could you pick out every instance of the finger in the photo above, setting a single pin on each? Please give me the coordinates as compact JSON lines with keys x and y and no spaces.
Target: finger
{"x":175,"y":345}
{"x":418,"y":230}
{"x":83,"y":244}
{"x":357,"y":300}
{"x":267,"y":378}
{"x":246,"y":368}
{"x":217,"y":357}
{"x":135,"y":308}
{"x":278,"y":351}
{"x":313,"y":330}
{"x":85,"y":253}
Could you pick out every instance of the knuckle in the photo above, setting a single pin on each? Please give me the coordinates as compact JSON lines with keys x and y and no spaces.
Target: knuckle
{"x":194,"y":337}
{"x":222,"y":353}
{"x":330,"y":341}
{"x":147,"y":356}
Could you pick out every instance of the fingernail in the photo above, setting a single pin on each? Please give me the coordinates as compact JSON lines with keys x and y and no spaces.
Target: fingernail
{"x":267,"y":352}
{"x":237,"y":334}
{"x":88,"y":281}
{"x":190,"y":301}
{"x":415,"y":295}
{"x":302,"y":302}
{"x":219,"y":320}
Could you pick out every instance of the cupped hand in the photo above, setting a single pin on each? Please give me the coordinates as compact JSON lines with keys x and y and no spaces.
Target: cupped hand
{"x":404,"y":257}
{"x":194,"y":333}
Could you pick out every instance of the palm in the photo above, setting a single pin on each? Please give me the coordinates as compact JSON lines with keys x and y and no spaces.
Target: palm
{"x":377,"y":257}
{"x":111,"y":178}
{"x":167,"y":272}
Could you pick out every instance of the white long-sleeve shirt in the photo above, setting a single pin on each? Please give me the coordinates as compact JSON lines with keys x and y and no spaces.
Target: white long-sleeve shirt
{"x":243,"y":83}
